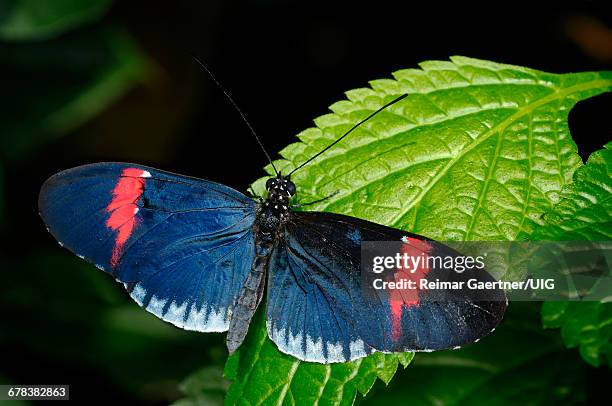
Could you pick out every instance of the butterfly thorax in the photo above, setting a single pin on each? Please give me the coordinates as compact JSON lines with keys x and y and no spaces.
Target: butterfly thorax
{"x":280,"y":190}
{"x":271,"y":214}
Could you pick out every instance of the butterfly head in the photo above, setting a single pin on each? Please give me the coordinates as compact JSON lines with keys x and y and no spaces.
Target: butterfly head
{"x":280,"y":188}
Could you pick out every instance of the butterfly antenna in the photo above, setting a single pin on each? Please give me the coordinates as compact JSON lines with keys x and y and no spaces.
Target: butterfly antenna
{"x":348,"y":132}
{"x":227,"y":95}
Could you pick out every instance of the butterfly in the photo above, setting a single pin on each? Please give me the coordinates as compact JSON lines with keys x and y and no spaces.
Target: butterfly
{"x":201,"y":255}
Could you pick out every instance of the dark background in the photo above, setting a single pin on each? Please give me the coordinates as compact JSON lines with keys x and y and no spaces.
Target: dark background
{"x":284,"y":62}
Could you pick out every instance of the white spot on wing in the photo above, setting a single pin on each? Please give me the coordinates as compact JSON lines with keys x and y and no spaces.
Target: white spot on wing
{"x":136,"y":210}
{"x":156,"y":306}
{"x":334,"y":352}
{"x":145,"y":174}
{"x":314,"y":350}
{"x":176,"y":314}
{"x":100,"y":267}
{"x":357,"y":349}
{"x":138,"y":294}
{"x":278,"y":336}
{"x":216,"y":321}
{"x":196,"y":319}
{"x":80,"y":256}
{"x":295,"y":344}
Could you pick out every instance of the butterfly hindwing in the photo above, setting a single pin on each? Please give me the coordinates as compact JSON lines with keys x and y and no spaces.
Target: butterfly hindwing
{"x":310,"y":304}
{"x":319,"y":311}
{"x":181,"y":246}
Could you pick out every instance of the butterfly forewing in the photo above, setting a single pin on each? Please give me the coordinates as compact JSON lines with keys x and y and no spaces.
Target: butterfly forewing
{"x":181,"y":246}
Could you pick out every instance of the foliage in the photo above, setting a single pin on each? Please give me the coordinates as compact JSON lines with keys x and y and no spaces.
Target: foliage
{"x":519,"y":364}
{"x":26,"y":20}
{"x":58,"y":85}
{"x":583,"y":213}
{"x":206,"y":386}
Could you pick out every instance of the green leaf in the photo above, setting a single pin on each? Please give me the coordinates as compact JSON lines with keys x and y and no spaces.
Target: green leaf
{"x":583,"y":213}
{"x":586,"y":325}
{"x":22,"y":20}
{"x":478,"y":150}
{"x":585,"y":209}
{"x":519,"y":364}
{"x":57,"y":85}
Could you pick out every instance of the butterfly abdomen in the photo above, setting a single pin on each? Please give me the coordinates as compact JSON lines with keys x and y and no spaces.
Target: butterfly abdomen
{"x":252,"y":291}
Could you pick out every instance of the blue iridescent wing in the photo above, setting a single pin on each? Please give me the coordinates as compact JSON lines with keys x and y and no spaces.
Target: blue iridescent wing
{"x":319,"y":311}
{"x":181,"y":246}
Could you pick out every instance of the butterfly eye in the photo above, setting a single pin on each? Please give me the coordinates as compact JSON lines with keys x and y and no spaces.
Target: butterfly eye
{"x":269,"y":183}
{"x":291,"y":188}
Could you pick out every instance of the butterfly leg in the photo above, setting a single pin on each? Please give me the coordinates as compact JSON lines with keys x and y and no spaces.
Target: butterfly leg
{"x":315,"y":201}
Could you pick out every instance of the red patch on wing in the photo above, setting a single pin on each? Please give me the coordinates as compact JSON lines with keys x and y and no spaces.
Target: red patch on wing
{"x":123,"y":208}
{"x":400,"y":299}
